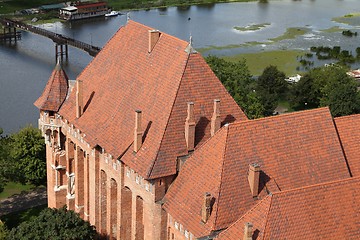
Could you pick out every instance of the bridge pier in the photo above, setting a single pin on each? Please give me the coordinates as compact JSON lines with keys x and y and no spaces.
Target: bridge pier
{"x":61,"y":50}
{"x":10,"y":34}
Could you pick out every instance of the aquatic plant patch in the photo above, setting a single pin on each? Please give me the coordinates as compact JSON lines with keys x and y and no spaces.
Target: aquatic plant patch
{"x":291,"y":33}
{"x":352,"y":19}
{"x":252,"y":27}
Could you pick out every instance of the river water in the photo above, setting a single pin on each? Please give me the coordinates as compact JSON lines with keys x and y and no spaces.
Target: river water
{"x":26,"y":66}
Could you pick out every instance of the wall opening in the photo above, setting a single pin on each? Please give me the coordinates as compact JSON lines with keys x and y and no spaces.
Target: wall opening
{"x":103,"y":211}
{"x":139,"y":218}
{"x":113,"y":204}
{"x":126,"y":213}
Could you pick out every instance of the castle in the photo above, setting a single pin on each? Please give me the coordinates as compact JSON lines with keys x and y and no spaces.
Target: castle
{"x":148,"y":144}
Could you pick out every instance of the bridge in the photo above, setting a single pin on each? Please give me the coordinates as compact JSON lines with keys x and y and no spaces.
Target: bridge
{"x":61,"y":41}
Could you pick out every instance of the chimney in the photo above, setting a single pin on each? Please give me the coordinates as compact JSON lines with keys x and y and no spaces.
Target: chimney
{"x":206,"y":207}
{"x":79,"y":98}
{"x":254,"y":178}
{"x":215,"y":119}
{"x":248,"y":231}
{"x":137,"y":131}
{"x":190,"y":127}
{"x":154,"y":36}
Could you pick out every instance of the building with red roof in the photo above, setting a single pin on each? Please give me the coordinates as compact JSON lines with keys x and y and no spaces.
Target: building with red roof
{"x":148,"y":144}
{"x":323,"y":211}
{"x":55,"y":91}
{"x":248,"y":160}
{"x":138,"y":110}
{"x":349,"y":132}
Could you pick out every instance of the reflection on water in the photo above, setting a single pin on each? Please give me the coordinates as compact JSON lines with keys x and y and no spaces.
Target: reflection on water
{"x":26,"y":67}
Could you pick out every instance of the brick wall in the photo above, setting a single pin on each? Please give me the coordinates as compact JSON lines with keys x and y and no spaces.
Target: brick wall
{"x":177,"y":231}
{"x":114,"y":198}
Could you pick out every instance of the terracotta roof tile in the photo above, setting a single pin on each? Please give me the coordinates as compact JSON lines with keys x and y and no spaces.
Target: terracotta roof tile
{"x":349,"y":132}
{"x":124,"y":77}
{"x":323,"y":211}
{"x":293,"y":150}
{"x":54,"y":92}
{"x":184,"y":199}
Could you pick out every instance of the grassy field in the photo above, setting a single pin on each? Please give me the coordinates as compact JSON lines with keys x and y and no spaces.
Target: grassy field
{"x":285,"y":60}
{"x":14,"y":219}
{"x":14,"y":188}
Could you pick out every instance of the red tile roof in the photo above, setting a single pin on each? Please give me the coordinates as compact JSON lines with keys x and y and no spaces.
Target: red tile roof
{"x":349,"y":132}
{"x":124,"y":77}
{"x":323,"y":211}
{"x":293,"y":150}
{"x":55,"y":91}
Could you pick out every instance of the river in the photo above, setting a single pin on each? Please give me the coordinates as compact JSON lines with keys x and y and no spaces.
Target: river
{"x":26,"y":66}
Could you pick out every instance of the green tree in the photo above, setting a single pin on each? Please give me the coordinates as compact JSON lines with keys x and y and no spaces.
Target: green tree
{"x":236,"y":78}
{"x":271,"y":87}
{"x":55,"y":224}
{"x":3,"y":231}
{"x":28,"y":156}
{"x":304,"y":95}
{"x":6,"y":168}
{"x":327,"y":86}
{"x":253,"y":106}
{"x":340,"y":92}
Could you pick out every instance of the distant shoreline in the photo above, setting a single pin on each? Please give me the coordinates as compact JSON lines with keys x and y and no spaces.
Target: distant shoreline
{"x":11,"y":6}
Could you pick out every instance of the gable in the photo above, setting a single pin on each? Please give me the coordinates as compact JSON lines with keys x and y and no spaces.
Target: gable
{"x":125,"y":77}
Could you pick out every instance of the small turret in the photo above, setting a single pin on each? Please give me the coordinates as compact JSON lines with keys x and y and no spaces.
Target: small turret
{"x":55,"y":91}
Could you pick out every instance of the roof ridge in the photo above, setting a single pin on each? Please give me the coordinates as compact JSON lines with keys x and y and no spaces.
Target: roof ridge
{"x":342,"y":147}
{"x":52,"y":77}
{"x":317,"y":185}
{"x":56,"y":80}
{"x":67,"y":84}
{"x":222,"y":173}
{"x":267,"y":214}
{"x":168,"y":119}
{"x":252,"y":209}
{"x":280,"y":116}
{"x":347,"y":116}
{"x":143,"y":25}
{"x":209,"y":139}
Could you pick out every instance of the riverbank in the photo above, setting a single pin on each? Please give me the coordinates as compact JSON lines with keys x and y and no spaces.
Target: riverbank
{"x":11,"y":6}
{"x":149,"y":4}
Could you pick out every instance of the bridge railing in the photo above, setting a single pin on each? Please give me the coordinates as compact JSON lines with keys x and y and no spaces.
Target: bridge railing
{"x":57,"y":38}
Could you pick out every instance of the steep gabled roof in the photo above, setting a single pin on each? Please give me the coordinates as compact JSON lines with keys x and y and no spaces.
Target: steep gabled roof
{"x":55,"y":91}
{"x":349,"y":132}
{"x":293,"y":150}
{"x":201,"y":173}
{"x":125,"y":77}
{"x":323,"y":211}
